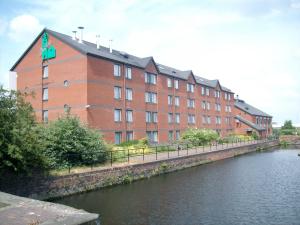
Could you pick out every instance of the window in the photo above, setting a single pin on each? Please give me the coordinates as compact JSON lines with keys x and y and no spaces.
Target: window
{"x":45,"y":71}
{"x":207,"y":91}
{"x":190,"y":87}
{"x":67,"y":108}
{"x":152,"y":136}
{"x":218,"y":107}
{"x":177,"y":100}
{"x":217,"y":94}
{"x":177,"y":118}
{"x":170,"y":135}
{"x":129,"y":135}
{"x":129,"y":116}
{"x":150,"y":78}
{"x":118,"y":115}
{"x":208,"y":119}
{"x":150,"y":97}
{"x":169,"y":82}
{"x":202,"y":90}
{"x":151,"y":117}
{"x":191,"y":119}
{"x":229,"y":96}
{"x":225,"y":95}
{"x":45,"y":116}
{"x":204,"y":119}
{"x":227,"y":108}
{"x":118,"y":137}
{"x":66,"y":83}
{"x":128,"y":74}
{"x":45,"y":94}
{"x":227,"y":120}
{"x":191,"y":103}
{"x":117,"y":70}
{"x":208,"y":105}
{"x":176,"y":84}
{"x":170,"y":117}
{"x":128,"y":94}
{"x":170,"y":98}
{"x":203,"y":104}
{"x":117,"y":92}
{"x":177,"y":134}
{"x":218,"y":120}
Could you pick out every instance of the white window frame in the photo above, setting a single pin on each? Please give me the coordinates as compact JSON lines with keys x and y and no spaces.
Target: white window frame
{"x":117,"y":92}
{"x":119,"y":135}
{"x":128,"y":94}
{"x":118,"y":115}
{"x":45,"y":116}
{"x":177,"y":101}
{"x":128,"y":73}
{"x":176,"y":84}
{"x":170,"y":117}
{"x":169,"y":82}
{"x":129,"y":115}
{"x":45,"y":71}
{"x":117,"y":70}
{"x":45,"y":94}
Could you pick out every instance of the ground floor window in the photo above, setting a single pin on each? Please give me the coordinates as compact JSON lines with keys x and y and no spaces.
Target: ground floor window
{"x":170,"y":135}
{"x":152,"y":136}
{"x":177,"y":134}
{"x":45,"y":116}
{"x":129,"y":135}
{"x":118,"y":137}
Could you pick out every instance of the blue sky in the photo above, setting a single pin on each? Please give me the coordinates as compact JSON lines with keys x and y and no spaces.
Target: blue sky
{"x":251,"y":46}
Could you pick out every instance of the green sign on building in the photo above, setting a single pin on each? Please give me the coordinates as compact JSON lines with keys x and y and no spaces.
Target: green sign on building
{"x":48,"y":51}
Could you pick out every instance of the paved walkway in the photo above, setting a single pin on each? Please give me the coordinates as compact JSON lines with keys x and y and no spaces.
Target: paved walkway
{"x":140,"y":159}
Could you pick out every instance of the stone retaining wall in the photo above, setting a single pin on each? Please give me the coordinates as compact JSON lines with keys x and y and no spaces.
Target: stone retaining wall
{"x":54,"y":187}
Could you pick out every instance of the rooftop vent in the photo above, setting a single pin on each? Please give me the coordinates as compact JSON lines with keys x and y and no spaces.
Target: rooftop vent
{"x":98,"y":41}
{"x":173,"y":71}
{"x":110,"y":45}
{"x":247,"y":108}
{"x":74,"y":35}
{"x":81,"y":34}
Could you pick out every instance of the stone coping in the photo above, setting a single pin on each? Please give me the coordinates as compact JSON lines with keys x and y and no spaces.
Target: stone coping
{"x":17,"y":210}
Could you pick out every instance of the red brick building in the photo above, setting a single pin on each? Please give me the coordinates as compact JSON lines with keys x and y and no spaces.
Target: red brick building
{"x":123,"y":96}
{"x":249,"y":119}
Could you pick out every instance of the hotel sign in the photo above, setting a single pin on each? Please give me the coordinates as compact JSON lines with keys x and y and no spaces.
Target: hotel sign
{"x":48,"y":51}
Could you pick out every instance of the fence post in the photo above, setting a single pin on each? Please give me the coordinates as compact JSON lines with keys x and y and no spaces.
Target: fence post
{"x":216,"y":145}
{"x":203,"y":147}
{"x":168,"y":151}
{"x":143,"y":154}
{"x":156,"y":152}
{"x":128,"y":154}
{"x":178,"y":150}
{"x":210,"y":146}
{"x":111,"y":158}
{"x":187,"y":149}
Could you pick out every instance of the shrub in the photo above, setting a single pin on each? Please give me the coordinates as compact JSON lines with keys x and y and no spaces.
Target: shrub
{"x":199,"y":136}
{"x":288,"y":128}
{"x":21,"y":146}
{"x":69,"y":143}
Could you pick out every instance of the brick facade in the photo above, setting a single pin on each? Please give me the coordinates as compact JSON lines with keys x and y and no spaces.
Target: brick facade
{"x":86,"y":84}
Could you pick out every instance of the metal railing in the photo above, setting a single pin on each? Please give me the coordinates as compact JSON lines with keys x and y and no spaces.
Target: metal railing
{"x":153,"y":153}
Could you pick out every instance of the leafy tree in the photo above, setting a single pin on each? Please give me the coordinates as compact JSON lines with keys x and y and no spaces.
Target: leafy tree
{"x":69,"y":142}
{"x":288,"y":128}
{"x":20,"y":143}
{"x":199,"y":136}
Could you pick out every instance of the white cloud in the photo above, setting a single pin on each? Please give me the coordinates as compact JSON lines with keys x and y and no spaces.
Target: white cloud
{"x":24,"y":27}
{"x":3,"y":26}
{"x":295,"y":4}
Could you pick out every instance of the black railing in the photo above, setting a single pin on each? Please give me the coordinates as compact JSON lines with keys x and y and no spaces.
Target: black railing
{"x":152,"y":153}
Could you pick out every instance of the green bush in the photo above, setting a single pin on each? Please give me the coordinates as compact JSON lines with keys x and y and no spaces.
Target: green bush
{"x":198,"y":137}
{"x":288,"y":128}
{"x":21,"y":146}
{"x":70,"y":143}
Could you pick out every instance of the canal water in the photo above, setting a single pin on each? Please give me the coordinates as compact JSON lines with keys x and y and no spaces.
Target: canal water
{"x":257,"y":189}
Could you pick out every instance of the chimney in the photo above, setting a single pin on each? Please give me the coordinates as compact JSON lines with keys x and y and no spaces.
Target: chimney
{"x":81,"y":34}
{"x":237,"y":97}
{"x":110,"y":45}
{"x":74,"y":35}
{"x":98,"y":41}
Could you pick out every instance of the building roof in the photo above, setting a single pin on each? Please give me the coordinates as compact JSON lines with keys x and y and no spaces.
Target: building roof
{"x":89,"y":48}
{"x":250,"y":124}
{"x":242,"y":105}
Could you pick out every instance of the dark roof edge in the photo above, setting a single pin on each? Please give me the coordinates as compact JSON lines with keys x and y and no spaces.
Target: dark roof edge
{"x":27,"y":50}
{"x":253,"y":114}
{"x":249,"y":123}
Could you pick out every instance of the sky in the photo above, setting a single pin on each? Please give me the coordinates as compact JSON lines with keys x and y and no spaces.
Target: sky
{"x":251,"y":46}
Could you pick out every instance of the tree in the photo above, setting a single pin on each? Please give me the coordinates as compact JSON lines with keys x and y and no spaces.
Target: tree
{"x":288,"y":128}
{"x":20,"y":143}
{"x":69,"y":142}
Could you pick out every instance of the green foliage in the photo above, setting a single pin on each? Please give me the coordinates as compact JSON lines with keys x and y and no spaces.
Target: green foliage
{"x":288,"y":128}
{"x":20,"y":143}
{"x":284,"y":144}
{"x":198,"y":137}
{"x":235,"y":138}
{"x":254,"y":135}
{"x":70,"y":143}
